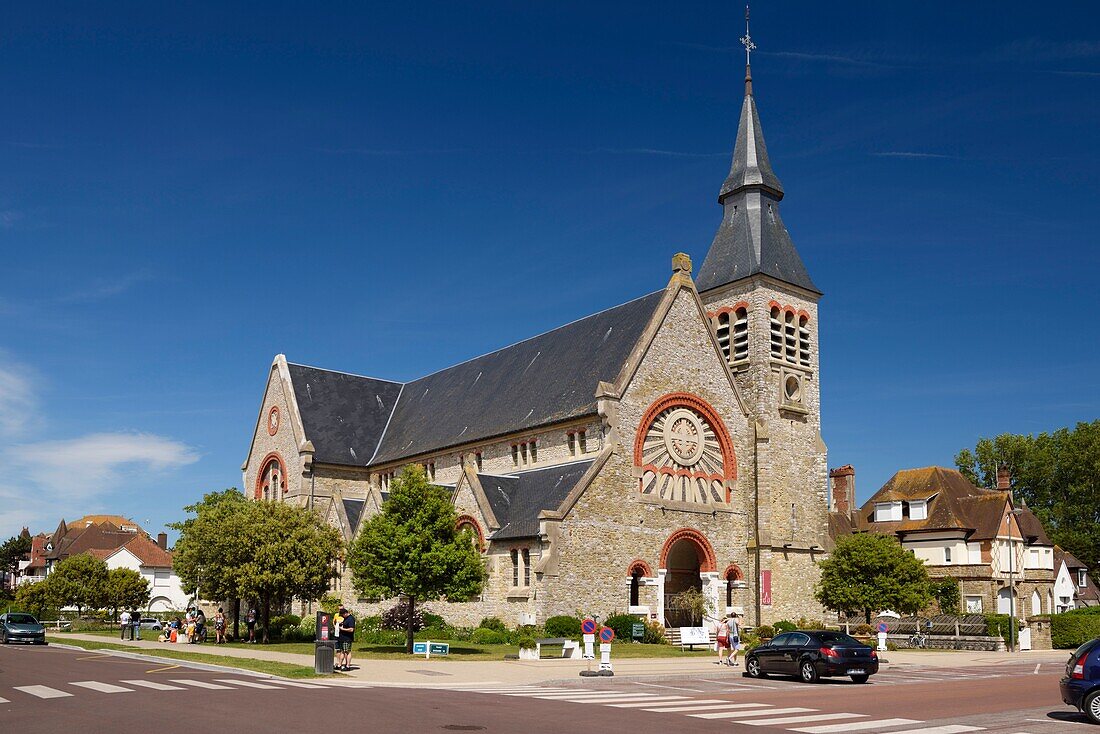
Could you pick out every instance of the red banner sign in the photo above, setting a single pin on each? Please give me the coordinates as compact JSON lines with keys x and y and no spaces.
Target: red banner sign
{"x":766,"y":588}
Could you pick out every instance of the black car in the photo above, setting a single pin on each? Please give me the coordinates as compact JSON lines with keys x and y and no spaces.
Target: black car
{"x":1081,"y":686}
{"x":20,"y":627}
{"x":813,"y":654}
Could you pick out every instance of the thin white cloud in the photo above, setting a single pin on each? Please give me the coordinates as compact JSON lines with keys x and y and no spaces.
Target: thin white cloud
{"x":911,"y":154}
{"x":18,"y":402}
{"x":93,"y":464}
{"x":658,"y":152}
{"x":8,"y":218}
{"x":1030,"y":48}
{"x":104,"y":288}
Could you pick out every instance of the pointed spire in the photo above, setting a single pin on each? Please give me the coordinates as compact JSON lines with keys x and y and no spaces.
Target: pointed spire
{"x":746,"y":41}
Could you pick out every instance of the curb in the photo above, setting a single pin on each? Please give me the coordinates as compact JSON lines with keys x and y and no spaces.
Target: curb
{"x":171,"y":661}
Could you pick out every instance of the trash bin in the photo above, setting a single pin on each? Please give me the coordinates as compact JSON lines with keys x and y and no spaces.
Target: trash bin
{"x":323,"y":655}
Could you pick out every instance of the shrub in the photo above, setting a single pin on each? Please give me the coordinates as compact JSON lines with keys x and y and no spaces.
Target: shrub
{"x":330,"y":603}
{"x":434,"y":620}
{"x":373,"y":623}
{"x":765,"y":631}
{"x":810,"y":624}
{"x":397,"y":618}
{"x":527,"y":643}
{"x":492,"y":623}
{"x":277,"y":625}
{"x":654,"y":634}
{"x":486,"y":636}
{"x":563,"y":625}
{"x":1070,"y":629}
{"x":381,"y":637}
{"x":998,"y":625}
{"x":623,"y":624}
{"x":784,"y":626}
{"x":863,"y":630}
{"x":307,"y":630}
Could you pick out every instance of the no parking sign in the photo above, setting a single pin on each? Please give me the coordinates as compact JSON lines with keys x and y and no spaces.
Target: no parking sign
{"x":606,"y":634}
{"x":588,"y":627}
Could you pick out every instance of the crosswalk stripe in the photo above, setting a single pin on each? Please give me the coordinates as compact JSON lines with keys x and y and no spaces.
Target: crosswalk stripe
{"x":153,"y":684}
{"x":95,"y":685}
{"x":706,"y":705}
{"x":856,"y":725}
{"x":294,"y":683}
{"x":650,"y":702}
{"x":42,"y":691}
{"x":201,"y":684}
{"x":247,"y":684}
{"x":946,"y":729}
{"x":593,"y":694}
{"x":4,"y":700}
{"x":749,"y":714}
{"x":610,"y":700}
{"x":803,"y":719}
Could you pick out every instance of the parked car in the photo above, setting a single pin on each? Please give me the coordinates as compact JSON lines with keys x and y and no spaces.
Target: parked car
{"x":813,"y":654}
{"x":1081,"y":686}
{"x":150,"y":623}
{"x":20,"y":627}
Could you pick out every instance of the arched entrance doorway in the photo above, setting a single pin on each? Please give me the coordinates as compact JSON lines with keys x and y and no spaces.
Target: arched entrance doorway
{"x":1005,"y":602}
{"x":687,"y":555}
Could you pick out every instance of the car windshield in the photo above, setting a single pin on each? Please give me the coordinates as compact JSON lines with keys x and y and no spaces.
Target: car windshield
{"x":1082,"y":650}
{"x":837,"y":638}
{"x":21,"y":619}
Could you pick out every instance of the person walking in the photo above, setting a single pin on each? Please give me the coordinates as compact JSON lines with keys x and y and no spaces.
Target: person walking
{"x":722,"y":640}
{"x":219,"y":627}
{"x":124,"y":623}
{"x":135,"y":620}
{"x":347,"y":636}
{"x":733,"y":629}
{"x":250,"y":622}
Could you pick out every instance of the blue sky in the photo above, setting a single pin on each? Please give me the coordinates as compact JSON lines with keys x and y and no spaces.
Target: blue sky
{"x":388,"y":189}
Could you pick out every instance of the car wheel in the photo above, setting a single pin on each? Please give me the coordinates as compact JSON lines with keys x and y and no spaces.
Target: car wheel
{"x":1091,"y":706}
{"x":752,"y":669}
{"x":808,"y":672}
{"x":860,"y":678}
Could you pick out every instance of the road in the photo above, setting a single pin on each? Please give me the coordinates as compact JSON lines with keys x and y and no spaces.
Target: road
{"x":53,"y":689}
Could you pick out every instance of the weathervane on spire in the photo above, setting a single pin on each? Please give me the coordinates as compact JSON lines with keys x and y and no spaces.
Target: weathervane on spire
{"x":746,"y":40}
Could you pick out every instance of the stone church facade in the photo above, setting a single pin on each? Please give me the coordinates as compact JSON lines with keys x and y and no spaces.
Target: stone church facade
{"x":671,"y":442}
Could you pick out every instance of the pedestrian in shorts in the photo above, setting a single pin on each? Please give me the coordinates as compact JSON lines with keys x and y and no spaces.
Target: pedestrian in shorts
{"x":347,"y":637}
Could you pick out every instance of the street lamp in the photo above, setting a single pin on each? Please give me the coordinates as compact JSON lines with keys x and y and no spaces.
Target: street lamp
{"x":1012,"y":585}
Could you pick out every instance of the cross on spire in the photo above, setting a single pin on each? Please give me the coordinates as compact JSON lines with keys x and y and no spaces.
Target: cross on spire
{"x":746,"y":41}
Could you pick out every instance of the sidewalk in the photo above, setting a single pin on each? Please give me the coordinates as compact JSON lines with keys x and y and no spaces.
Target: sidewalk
{"x":416,"y":671}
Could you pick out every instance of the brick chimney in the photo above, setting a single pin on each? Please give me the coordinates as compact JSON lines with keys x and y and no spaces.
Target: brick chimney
{"x":1004,"y":478}
{"x":162,"y":540}
{"x":842,"y":485}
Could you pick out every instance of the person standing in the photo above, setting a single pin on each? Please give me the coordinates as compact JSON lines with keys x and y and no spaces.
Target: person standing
{"x":135,"y":620}
{"x":722,"y":640}
{"x":734,"y":631}
{"x":219,"y":627}
{"x":250,"y":622}
{"x":124,"y":623}
{"x":347,"y":636}
{"x":338,"y":655}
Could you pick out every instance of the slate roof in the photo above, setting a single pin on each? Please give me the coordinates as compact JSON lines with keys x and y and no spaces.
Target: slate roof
{"x":956,"y":504}
{"x":752,"y":238}
{"x":343,"y":415}
{"x":542,"y":380}
{"x":354,"y":510}
{"x":517,"y":499}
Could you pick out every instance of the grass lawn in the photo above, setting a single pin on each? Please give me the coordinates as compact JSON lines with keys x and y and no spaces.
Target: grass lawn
{"x":459,"y":650}
{"x":286,"y":670}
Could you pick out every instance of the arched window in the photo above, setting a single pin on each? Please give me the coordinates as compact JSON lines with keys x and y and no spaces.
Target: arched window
{"x":776,"y":333}
{"x":732,"y":330}
{"x":790,"y":335}
{"x":271,"y":481}
{"x":804,"y":340}
{"x":733,"y":578}
{"x":740,"y":334}
{"x":635,"y":586}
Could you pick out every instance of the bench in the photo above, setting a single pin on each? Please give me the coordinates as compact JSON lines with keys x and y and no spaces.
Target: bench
{"x":569,"y":648}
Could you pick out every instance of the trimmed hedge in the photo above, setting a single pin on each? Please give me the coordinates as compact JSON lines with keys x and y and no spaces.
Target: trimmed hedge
{"x":492,"y":623}
{"x":486,"y":636}
{"x":623,"y":624}
{"x":563,"y":625}
{"x":1071,"y":629}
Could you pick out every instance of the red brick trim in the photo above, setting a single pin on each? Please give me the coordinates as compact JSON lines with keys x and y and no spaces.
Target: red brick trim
{"x":273,"y":456}
{"x":733,"y":573}
{"x":469,"y":521}
{"x":729,"y":309}
{"x":687,"y":400}
{"x":708,"y":561}
{"x":773,"y":305}
{"x":639,"y":565}
{"x":278,"y":420}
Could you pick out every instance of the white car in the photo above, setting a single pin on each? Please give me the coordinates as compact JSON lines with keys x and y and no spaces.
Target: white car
{"x":150,"y":623}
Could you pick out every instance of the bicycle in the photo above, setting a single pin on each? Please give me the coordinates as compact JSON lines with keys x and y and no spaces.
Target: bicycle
{"x":918,"y":640}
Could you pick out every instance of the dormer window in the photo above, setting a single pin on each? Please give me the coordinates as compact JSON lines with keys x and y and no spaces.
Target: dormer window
{"x":1082,"y":580}
{"x":918,"y":509}
{"x":887,"y":511}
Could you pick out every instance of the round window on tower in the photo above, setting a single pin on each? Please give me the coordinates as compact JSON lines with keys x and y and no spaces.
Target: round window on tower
{"x":792,"y":389}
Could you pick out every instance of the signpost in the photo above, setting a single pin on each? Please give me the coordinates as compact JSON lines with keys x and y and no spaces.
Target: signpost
{"x":882,"y":636}
{"x":588,"y":627}
{"x":429,"y":648}
{"x":606,"y":636}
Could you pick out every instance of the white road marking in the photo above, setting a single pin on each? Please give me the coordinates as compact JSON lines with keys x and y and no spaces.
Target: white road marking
{"x":650,"y":702}
{"x":4,"y":700}
{"x":856,"y":725}
{"x":583,"y":694}
{"x":247,"y":684}
{"x":293,"y":683}
{"x":153,"y":684}
{"x":749,"y":714}
{"x":617,"y":699}
{"x":42,"y":691}
{"x":802,"y":719}
{"x":1036,"y":671}
{"x":673,"y":688}
{"x":95,"y":685}
{"x":201,"y":684}
{"x":948,"y":729}
{"x":674,"y":709}
{"x":739,"y":685}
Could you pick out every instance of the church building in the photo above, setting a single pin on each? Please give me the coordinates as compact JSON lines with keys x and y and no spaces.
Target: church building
{"x":671,"y":442}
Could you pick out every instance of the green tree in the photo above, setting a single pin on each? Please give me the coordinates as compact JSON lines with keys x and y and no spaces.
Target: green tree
{"x":80,"y":581}
{"x":235,"y":548}
{"x":14,"y":550}
{"x":1057,"y":475}
{"x":870,"y":572}
{"x":126,"y":589}
{"x":210,"y":550}
{"x":946,"y":593}
{"x":37,"y":597}
{"x":411,"y":548}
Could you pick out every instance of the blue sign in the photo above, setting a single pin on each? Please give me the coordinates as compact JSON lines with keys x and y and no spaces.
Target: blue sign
{"x":440,"y":648}
{"x":606,"y":634}
{"x":420,"y":648}
{"x":881,"y":626}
